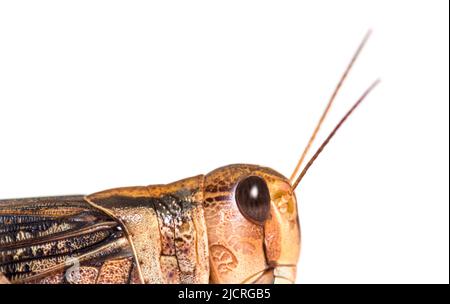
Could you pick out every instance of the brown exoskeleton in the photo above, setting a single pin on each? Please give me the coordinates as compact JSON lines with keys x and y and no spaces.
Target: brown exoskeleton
{"x":236,"y":224}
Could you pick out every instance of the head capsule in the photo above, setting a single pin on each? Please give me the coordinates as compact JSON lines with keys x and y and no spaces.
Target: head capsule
{"x":252,"y":223}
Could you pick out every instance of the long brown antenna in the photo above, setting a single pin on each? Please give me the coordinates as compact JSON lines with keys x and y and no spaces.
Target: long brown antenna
{"x":330,"y":102}
{"x":311,"y":161}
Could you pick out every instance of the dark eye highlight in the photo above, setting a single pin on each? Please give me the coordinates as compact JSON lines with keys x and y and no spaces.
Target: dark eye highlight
{"x":253,"y":199}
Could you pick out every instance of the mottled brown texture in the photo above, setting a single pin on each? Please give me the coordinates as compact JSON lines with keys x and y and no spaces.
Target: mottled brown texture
{"x":170,"y":269}
{"x":164,"y":223}
{"x":131,"y":207}
{"x":85,"y":275}
{"x":115,"y":271}
{"x":38,"y":236}
{"x":57,"y":278}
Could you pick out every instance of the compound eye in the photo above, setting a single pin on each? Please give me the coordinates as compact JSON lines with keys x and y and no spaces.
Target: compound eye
{"x":253,"y":199}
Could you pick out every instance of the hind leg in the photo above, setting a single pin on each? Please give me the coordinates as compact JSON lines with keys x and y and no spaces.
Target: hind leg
{"x":3,"y":279}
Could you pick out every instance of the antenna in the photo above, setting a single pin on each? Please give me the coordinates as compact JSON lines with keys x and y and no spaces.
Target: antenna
{"x":330,"y":102}
{"x":327,"y":140}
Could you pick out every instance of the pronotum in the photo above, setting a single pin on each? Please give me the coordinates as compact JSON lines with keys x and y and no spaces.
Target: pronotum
{"x":236,"y":224}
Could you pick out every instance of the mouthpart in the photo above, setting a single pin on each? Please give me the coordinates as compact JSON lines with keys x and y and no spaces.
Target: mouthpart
{"x":275,"y":275}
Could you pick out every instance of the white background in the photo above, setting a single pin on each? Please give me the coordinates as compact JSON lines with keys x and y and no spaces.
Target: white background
{"x":100,"y":94}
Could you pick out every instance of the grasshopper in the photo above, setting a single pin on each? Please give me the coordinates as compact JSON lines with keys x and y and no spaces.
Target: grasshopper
{"x":236,"y":224}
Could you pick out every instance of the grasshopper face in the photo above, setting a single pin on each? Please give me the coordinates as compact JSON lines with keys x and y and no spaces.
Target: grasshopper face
{"x":252,"y":223}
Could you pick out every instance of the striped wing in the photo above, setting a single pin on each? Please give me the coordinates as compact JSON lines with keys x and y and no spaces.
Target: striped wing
{"x":62,"y":240}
